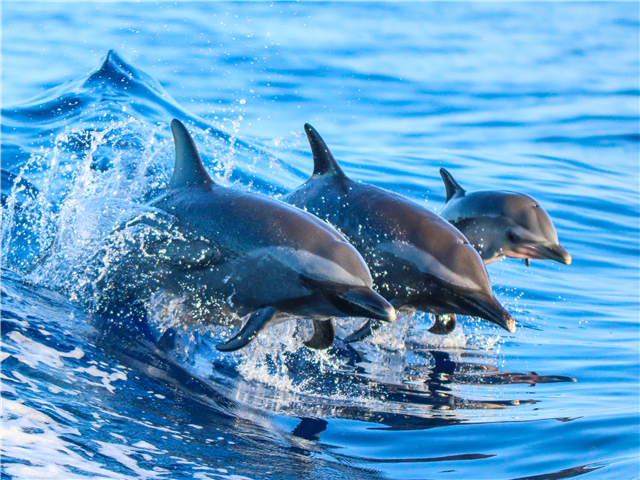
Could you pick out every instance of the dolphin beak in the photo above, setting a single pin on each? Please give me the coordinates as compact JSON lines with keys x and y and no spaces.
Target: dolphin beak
{"x":363,"y":302}
{"x":490,"y":309}
{"x":555,"y":252}
{"x":551,"y":251}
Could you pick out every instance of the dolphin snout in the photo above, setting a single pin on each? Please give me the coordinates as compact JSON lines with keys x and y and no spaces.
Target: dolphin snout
{"x":490,"y":309}
{"x":363,"y":302}
{"x":549,"y":251}
{"x":555,"y":252}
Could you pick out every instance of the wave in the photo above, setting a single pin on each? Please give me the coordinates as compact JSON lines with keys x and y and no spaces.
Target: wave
{"x":82,"y":159}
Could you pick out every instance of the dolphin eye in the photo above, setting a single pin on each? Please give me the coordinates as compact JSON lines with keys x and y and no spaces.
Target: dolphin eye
{"x":512,"y":236}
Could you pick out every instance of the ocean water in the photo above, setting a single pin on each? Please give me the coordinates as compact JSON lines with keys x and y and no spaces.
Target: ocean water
{"x":537,"y":98}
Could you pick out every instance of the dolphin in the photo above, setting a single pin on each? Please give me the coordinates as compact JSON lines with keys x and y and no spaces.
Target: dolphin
{"x":229,"y":253}
{"x":417,"y":259}
{"x":502,"y":224}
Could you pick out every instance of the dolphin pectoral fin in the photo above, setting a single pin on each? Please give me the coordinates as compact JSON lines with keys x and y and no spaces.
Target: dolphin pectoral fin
{"x":452,"y":187}
{"x":323,"y":161}
{"x":323,"y":334}
{"x":364,"y":331}
{"x":526,"y":261}
{"x":444,"y":324}
{"x":249,"y":331}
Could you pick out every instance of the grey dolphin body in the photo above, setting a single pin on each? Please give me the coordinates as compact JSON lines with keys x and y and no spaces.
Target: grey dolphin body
{"x":417,"y":259}
{"x":237,"y":253}
{"x":500,"y":224}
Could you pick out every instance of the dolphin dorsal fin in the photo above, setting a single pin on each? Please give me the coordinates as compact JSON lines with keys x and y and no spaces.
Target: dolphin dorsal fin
{"x":453,"y":188}
{"x":323,"y":161}
{"x":188,"y":169}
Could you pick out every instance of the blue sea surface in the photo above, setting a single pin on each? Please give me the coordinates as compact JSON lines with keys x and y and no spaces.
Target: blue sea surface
{"x":538,"y":98}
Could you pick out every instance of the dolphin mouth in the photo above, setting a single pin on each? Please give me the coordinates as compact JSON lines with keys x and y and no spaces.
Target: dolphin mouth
{"x":547,"y":252}
{"x":363,"y":302}
{"x":491,"y":310}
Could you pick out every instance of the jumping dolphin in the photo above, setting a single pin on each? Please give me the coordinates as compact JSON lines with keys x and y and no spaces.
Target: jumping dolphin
{"x":237,"y":253}
{"x":417,"y":259}
{"x":502,"y":224}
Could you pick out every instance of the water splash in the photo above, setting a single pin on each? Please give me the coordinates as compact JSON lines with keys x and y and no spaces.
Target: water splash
{"x":100,"y":151}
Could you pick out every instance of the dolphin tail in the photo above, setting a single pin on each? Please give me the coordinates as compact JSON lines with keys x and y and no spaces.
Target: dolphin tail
{"x":323,"y":161}
{"x":444,"y":324}
{"x":323,"y":334}
{"x":249,"y":331}
{"x":364,"y":331}
{"x":453,"y":188}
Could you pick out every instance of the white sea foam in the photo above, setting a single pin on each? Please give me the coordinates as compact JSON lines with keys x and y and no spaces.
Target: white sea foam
{"x":37,"y":442}
{"x":106,"y":377}
{"x":124,"y":454}
{"x":455,"y":340}
{"x":33,"y":353}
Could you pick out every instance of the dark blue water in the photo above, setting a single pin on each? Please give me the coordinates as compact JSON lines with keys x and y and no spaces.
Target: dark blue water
{"x":540,"y":98}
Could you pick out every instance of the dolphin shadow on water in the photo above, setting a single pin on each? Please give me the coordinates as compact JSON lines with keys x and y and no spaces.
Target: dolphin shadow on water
{"x":427,"y":386}
{"x":227,"y":254}
{"x":355,"y":389}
